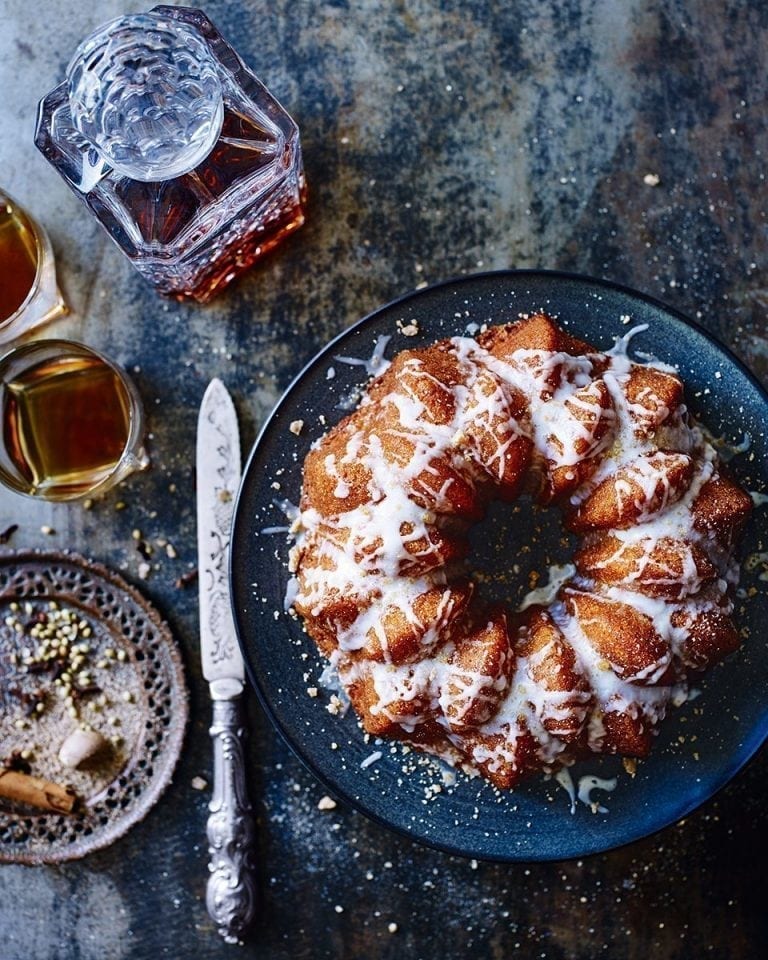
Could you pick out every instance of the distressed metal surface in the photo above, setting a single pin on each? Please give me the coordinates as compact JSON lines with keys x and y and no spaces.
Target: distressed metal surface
{"x":439,"y":138}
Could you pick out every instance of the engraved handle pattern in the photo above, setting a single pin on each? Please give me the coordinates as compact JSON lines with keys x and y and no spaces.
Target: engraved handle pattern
{"x":230,"y":895}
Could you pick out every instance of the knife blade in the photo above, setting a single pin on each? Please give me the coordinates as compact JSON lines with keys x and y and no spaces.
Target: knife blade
{"x":230,"y":892}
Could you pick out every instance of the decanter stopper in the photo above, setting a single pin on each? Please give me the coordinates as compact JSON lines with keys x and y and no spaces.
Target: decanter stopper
{"x":145,"y":91}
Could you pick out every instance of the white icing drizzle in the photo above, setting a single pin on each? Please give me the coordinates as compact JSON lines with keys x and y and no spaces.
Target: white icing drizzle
{"x":620,"y":346}
{"x":290,"y":510}
{"x":371,"y":759}
{"x":291,"y":592}
{"x":545,"y":594}
{"x":376,"y":363}
{"x":589,"y":783}
{"x":386,"y":557}
{"x":726,"y":450}
{"x":564,"y":778}
{"x":583,"y":793}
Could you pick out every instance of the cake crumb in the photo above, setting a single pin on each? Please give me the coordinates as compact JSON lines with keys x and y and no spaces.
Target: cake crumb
{"x":651,"y":179}
{"x":198,"y":783}
{"x":326,"y":803}
{"x":392,"y":927}
{"x":312,"y":691}
{"x":630,"y":765}
{"x":296,"y":426}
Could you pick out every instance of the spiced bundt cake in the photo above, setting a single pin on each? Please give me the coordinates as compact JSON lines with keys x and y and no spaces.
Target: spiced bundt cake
{"x":389,"y":495}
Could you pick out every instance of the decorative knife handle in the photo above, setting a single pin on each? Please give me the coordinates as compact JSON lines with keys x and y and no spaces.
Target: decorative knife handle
{"x":230,"y":895}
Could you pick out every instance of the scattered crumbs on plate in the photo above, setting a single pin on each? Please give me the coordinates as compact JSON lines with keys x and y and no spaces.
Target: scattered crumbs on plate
{"x":630,"y":765}
{"x":409,"y":329}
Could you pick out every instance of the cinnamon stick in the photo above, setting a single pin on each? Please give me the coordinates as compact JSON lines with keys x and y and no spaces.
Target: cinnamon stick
{"x":38,"y":793}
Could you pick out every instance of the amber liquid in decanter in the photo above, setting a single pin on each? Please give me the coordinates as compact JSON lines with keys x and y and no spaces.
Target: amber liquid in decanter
{"x":163,"y":211}
{"x":191,"y":164}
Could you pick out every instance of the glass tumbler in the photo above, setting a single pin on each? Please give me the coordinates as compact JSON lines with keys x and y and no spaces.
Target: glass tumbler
{"x":28,"y":292}
{"x":72,"y":421}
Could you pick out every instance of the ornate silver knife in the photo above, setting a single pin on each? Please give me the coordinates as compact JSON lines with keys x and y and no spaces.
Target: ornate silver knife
{"x":230,"y":895}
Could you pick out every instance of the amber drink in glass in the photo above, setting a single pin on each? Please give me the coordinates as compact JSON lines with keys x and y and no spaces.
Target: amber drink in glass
{"x":72,"y":421}
{"x":28,"y":292}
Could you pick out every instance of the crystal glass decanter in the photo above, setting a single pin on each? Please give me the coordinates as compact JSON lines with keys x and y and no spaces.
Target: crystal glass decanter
{"x":180,"y":152}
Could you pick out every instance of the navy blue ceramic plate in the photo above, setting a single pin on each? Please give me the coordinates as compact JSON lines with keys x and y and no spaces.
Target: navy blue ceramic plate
{"x":701,"y":746}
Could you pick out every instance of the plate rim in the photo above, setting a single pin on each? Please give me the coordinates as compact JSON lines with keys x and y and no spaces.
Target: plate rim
{"x":729,"y":771}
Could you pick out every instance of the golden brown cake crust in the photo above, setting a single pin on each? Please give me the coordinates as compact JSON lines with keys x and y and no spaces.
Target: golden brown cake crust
{"x":389,"y":495}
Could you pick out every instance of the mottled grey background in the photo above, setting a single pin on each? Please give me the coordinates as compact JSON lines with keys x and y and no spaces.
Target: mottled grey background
{"x":440,"y":139}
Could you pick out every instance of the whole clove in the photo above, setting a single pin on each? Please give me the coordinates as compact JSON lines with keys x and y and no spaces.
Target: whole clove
{"x":88,"y":690}
{"x":144,"y":549}
{"x":14,"y":761}
{"x":6,"y":534}
{"x":29,"y":699}
{"x":185,"y":579}
{"x":31,"y":702}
